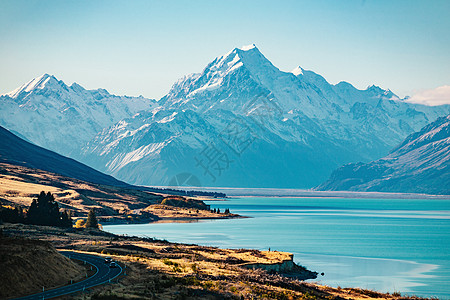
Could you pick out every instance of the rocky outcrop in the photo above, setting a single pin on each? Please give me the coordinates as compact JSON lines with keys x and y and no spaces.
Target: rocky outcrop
{"x":286,"y":267}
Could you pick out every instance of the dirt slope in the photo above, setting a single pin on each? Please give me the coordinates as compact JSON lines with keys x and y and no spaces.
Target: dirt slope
{"x":28,"y":265}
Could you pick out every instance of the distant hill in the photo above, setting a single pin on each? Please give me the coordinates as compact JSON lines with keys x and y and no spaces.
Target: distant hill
{"x":420,"y":164}
{"x":16,"y":151}
{"x":26,"y":169}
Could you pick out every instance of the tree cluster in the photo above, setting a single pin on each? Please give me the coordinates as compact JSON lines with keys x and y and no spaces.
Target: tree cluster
{"x":217,"y":211}
{"x":184,"y":193}
{"x":12,"y":215}
{"x":43,"y":211}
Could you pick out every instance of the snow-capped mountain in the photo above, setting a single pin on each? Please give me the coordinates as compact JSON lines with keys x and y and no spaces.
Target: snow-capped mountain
{"x":420,"y":164}
{"x":63,"y":118}
{"x":243,"y":122}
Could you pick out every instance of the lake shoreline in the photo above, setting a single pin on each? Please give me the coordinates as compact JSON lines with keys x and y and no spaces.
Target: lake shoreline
{"x":192,"y":270}
{"x":123,"y":221}
{"x":307,"y":193}
{"x":355,"y":242}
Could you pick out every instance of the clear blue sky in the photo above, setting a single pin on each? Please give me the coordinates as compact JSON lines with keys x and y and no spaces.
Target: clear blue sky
{"x":142,"y":47}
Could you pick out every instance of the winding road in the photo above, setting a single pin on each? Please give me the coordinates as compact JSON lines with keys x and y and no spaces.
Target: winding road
{"x":103,"y":274}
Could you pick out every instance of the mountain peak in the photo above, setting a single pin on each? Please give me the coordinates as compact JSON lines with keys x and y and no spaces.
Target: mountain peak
{"x":374,"y":87}
{"x":380,"y":92}
{"x":252,"y":58}
{"x":36,"y":83}
{"x":248,"y":47}
{"x":240,"y":52}
{"x":44,"y":76}
{"x":297,"y":71}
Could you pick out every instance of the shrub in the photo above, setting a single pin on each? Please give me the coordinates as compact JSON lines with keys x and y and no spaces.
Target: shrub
{"x":80,"y":223}
{"x":194,"y":268}
{"x":176,"y":268}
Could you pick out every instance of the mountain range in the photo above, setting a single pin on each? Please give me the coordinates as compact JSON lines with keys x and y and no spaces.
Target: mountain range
{"x":63,"y":118}
{"x":241,"y":122}
{"x":420,"y":164}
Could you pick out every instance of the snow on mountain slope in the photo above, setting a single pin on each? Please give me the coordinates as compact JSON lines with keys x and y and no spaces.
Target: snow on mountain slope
{"x":268,"y":128}
{"x":63,"y":118}
{"x":230,"y":81}
{"x":420,"y":164}
{"x":238,"y":77}
{"x":158,"y":145}
{"x":137,"y":148}
{"x":296,"y":127}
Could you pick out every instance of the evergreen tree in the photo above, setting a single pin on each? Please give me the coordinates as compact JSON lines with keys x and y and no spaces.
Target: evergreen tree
{"x":11,"y":215}
{"x":66,"y":219}
{"x":45,"y":211}
{"x":91,"y":221}
{"x":20,"y":215}
{"x":2,"y":214}
{"x":33,"y":213}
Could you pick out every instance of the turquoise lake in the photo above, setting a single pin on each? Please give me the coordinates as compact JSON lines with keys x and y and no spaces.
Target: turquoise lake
{"x":388,"y":245}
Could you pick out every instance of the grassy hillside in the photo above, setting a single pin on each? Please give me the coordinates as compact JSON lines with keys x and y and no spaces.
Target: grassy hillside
{"x":20,"y":184}
{"x":17,"y":151}
{"x":28,"y":265}
{"x":163,"y":270}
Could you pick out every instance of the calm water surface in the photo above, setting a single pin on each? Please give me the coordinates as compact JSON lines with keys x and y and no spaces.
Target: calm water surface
{"x":383,"y":244}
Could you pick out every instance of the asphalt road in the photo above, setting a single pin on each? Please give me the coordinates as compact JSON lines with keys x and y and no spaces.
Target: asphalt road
{"x":103,"y":275}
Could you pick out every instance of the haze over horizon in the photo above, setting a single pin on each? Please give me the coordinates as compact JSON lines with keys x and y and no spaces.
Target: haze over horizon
{"x":139,"y":48}
{"x":239,"y":149}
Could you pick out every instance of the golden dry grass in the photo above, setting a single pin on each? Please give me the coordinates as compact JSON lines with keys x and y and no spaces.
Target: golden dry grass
{"x":170,"y":213}
{"x":164,"y":270}
{"x":156,"y":269}
{"x":19,"y":185}
{"x":28,"y":265}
